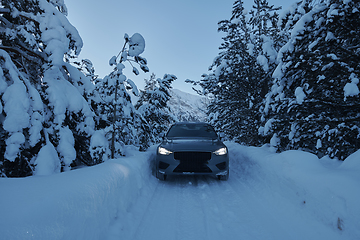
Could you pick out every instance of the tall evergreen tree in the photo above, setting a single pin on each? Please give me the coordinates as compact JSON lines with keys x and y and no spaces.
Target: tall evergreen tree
{"x":152,"y":105}
{"x":241,"y":73}
{"x":42,"y":110}
{"x":231,"y":83}
{"x":265,"y":42}
{"x":265,"y":38}
{"x":116,"y":114}
{"x":286,"y":23}
{"x":317,"y":88}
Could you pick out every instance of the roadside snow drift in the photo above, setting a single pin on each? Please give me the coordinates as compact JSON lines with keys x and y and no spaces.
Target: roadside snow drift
{"x":292,"y":195}
{"x":79,"y":204}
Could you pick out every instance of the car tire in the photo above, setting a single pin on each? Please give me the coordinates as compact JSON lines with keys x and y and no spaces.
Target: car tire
{"x":223,"y":177}
{"x":161,"y":176}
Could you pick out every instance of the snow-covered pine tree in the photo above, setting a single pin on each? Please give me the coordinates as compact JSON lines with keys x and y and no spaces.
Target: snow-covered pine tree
{"x":265,"y":38}
{"x":317,"y":101}
{"x":221,"y":83}
{"x":43,"y":114}
{"x":152,"y":105}
{"x":117,"y":117}
{"x":289,"y":17}
{"x":265,"y":42}
{"x":286,"y":23}
{"x":239,"y":81}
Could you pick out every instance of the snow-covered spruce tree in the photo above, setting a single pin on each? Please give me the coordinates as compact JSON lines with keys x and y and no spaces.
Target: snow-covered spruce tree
{"x":87,"y":68}
{"x":289,"y":17}
{"x":317,"y":88}
{"x":152,"y":105}
{"x":43,"y":112}
{"x":239,"y":81}
{"x":265,"y":41}
{"x":117,"y":119}
{"x":286,"y":23}
{"x":230,"y":106}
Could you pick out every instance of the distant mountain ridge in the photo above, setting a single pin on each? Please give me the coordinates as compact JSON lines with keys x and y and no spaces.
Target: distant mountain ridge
{"x":187,"y":107}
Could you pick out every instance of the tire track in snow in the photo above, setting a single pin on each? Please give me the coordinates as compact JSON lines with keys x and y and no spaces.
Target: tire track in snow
{"x":221,"y":210}
{"x":155,"y":220}
{"x":179,"y":210}
{"x":191,"y":215}
{"x":194,"y":219}
{"x":135,"y":217}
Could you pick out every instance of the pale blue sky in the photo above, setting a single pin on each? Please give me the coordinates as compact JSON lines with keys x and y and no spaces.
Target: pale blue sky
{"x":181,"y":36}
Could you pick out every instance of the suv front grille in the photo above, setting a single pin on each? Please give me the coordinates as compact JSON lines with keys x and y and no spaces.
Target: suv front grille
{"x":192,"y":156}
{"x":193,"y":162}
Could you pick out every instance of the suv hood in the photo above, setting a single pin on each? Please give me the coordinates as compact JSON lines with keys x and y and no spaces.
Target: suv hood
{"x":192,"y":144}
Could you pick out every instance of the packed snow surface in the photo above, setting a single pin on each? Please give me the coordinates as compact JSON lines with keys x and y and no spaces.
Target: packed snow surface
{"x":292,"y":195}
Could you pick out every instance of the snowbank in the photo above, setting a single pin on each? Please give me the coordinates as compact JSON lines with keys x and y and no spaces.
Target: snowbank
{"x":80,"y":204}
{"x":326,"y":189}
{"x":352,"y":162}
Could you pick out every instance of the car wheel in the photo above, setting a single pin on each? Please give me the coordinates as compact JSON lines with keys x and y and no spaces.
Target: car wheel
{"x":224,"y":177}
{"x":161,"y":176}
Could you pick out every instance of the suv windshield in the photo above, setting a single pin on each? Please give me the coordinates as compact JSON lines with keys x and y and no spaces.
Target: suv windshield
{"x":192,"y":130}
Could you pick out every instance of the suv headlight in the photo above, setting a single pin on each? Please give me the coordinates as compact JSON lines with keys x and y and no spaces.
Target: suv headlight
{"x":163,"y":151}
{"x":221,"y":151}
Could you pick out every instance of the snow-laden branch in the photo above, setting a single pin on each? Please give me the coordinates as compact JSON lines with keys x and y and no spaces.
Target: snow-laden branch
{"x":29,"y":55}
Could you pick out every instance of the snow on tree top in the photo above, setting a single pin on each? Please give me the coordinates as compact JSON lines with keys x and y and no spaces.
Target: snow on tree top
{"x":137,"y":45}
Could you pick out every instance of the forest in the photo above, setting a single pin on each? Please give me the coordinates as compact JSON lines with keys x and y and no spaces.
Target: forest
{"x":287,"y":79}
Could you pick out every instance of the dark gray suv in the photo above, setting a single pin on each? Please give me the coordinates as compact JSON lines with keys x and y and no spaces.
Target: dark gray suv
{"x":192,"y":148}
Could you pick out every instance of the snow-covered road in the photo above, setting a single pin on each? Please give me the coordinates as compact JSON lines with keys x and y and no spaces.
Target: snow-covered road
{"x":252,"y":204}
{"x":292,"y":195}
